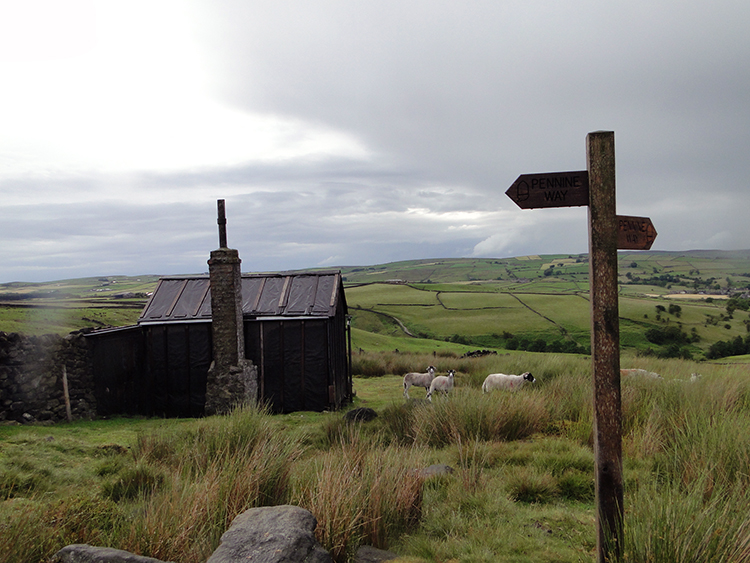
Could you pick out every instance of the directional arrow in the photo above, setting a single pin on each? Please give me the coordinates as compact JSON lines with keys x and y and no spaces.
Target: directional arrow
{"x":635,"y":233}
{"x":551,"y":189}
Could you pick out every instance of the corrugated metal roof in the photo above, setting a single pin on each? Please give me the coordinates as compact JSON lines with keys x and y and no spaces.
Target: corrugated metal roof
{"x":298,"y":294}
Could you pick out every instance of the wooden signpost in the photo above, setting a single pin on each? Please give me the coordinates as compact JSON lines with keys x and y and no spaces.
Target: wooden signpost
{"x":551,"y":189}
{"x":635,"y":233}
{"x":608,"y":232}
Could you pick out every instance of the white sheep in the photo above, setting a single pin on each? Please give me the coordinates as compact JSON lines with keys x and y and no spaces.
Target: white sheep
{"x":442,"y":383}
{"x":505,"y":381}
{"x":419,"y":380}
{"x":637,"y":372}
{"x":694,"y":378}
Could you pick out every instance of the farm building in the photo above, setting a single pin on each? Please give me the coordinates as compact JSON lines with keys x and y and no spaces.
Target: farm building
{"x":295,"y":332}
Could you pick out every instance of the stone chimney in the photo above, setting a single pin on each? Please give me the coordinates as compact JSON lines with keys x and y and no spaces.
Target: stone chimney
{"x":232,"y":379}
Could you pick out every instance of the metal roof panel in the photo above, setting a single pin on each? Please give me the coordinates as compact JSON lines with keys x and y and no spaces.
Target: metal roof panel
{"x":298,"y":294}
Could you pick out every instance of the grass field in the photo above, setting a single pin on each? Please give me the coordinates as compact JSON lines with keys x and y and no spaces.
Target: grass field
{"x":477,"y":302}
{"x":521,"y":489}
{"x":482,"y":317}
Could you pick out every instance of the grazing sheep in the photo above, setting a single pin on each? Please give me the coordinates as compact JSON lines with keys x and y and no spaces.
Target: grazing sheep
{"x":418,"y":379}
{"x":694,"y":378}
{"x":504,"y":381}
{"x":639,"y":373}
{"x":443,"y":383}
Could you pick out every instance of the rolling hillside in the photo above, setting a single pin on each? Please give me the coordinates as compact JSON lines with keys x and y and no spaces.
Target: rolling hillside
{"x":529,"y":302}
{"x":543,"y":300}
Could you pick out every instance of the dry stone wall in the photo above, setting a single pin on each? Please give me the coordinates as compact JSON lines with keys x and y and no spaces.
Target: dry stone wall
{"x":31,"y":378}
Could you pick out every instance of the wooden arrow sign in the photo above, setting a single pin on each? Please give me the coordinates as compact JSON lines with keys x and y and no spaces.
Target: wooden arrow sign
{"x":635,"y":233}
{"x":551,"y":189}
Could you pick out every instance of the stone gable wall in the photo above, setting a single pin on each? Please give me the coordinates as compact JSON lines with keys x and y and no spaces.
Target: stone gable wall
{"x":31,"y":378}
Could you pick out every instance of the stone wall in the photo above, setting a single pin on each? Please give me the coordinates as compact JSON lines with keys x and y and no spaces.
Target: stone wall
{"x":31,"y":378}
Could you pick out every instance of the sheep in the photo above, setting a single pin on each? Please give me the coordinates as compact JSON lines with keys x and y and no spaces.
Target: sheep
{"x":694,"y":378}
{"x":418,"y":379}
{"x":443,"y":383}
{"x":505,"y":381}
{"x":640,"y":373}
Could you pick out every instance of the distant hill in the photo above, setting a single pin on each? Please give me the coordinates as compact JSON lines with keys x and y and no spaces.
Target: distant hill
{"x":693,"y":265}
{"x":671,"y":304}
{"x":466,"y":302}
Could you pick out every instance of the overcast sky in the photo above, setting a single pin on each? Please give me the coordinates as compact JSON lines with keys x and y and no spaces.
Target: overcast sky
{"x":357,"y":133}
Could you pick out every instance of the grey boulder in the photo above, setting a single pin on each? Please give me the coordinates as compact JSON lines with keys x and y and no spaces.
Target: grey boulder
{"x":271,"y":534}
{"x":83,"y":553}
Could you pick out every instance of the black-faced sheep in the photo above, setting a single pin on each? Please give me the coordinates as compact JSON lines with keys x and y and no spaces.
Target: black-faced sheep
{"x":419,"y":380}
{"x":442,"y":383}
{"x":505,"y":381}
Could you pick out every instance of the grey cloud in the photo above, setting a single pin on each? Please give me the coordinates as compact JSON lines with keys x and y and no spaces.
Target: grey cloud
{"x":454,"y":101}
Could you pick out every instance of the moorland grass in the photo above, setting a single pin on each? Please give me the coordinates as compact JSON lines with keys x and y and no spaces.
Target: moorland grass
{"x":521,"y":487}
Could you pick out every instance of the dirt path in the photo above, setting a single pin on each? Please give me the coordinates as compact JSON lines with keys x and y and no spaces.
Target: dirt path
{"x":401,"y":325}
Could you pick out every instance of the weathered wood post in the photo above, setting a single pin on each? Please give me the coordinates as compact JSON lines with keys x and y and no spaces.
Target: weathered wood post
{"x":605,"y":344}
{"x":595,"y":188}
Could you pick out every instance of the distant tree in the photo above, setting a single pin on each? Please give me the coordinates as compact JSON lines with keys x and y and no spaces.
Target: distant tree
{"x":725,"y":348}
{"x":737,"y":303}
{"x":695,"y":337}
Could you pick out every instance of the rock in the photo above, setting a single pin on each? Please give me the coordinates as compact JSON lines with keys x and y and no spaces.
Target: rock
{"x":369,"y":554}
{"x":364,"y":414}
{"x":82,"y":553}
{"x":271,"y":534}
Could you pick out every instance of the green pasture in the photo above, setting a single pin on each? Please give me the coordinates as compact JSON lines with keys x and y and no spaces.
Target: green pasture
{"x":469,"y":300}
{"x":380,"y":294}
{"x":370,"y":341}
{"x":521,"y":490}
{"x":482,"y":316}
{"x":51,"y":319}
{"x":465,"y":300}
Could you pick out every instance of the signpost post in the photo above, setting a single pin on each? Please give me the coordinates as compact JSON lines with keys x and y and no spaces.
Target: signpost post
{"x":605,"y":344}
{"x":608,"y":232}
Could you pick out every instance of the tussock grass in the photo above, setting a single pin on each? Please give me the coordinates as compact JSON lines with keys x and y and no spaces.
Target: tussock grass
{"x":521,"y":487}
{"x":360,"y":493}
{"x":464,"y":414}
{"x":132,"y":482}
{"x":671,"y":524}
{"x":32,"y":531}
